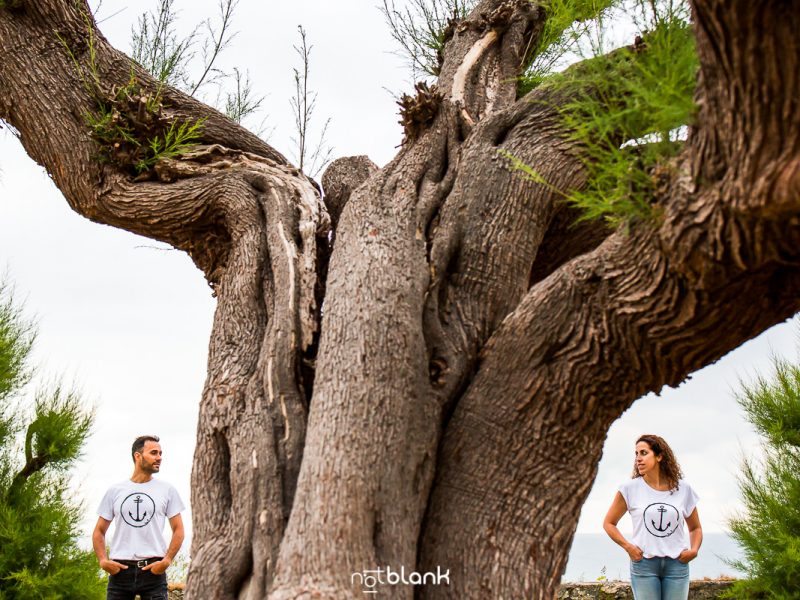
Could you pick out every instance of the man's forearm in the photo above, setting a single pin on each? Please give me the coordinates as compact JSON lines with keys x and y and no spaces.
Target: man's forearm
{"x":99,"y":545}
{"x":174,"y":544}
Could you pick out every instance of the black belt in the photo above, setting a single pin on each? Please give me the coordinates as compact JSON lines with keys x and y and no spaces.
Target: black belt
{"x":139,"y":563}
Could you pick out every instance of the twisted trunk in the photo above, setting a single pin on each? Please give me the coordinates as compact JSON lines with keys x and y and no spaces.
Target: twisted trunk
{"x":471,"y":338}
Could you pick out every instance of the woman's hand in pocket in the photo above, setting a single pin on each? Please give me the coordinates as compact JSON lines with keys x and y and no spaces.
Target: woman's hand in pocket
{"x":634,"y":552}
{"x":687,"y":555}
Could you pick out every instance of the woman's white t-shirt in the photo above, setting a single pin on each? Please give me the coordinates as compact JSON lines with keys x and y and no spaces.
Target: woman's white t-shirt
{"x":658,"y":517}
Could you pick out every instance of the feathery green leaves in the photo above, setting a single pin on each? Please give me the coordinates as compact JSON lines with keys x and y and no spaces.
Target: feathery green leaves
{"x":627,"y":115}
{"x":39,"y":519}
{"x":568,"y":22}
{"x":16,"y":339}
{"x":768,"y":530}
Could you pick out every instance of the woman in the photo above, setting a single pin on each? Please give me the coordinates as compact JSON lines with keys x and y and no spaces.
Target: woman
{"x":659,"y":501}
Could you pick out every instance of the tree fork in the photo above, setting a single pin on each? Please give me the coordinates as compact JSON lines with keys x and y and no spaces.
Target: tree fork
{"x":374,"y":366}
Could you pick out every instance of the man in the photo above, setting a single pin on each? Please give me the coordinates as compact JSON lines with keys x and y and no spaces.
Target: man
{"x":139,"y":556}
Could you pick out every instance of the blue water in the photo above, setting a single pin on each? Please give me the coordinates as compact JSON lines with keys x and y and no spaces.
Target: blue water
{"x":594,"y":555}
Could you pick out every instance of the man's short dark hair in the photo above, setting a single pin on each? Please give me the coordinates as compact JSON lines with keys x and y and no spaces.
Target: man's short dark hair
{"x":139,"y":442}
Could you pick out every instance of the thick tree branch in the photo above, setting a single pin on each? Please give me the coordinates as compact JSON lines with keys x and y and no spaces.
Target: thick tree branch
{"x":551,"y":381}
{"x":655,"y":304}
{"x":748,"y":130}
{"x":475,"y":284}
{"x":248,"y":219}
{"x":33,"y":463}
{"x":486,"y":54}
{"x":46,"y":96}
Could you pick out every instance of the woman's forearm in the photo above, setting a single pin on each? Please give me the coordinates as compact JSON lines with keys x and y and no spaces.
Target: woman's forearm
{"x":616,"y":535}
{"x":696,"y":538}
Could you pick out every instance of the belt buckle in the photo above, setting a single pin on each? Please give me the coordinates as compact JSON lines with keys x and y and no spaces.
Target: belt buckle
{"x":141,"y":563}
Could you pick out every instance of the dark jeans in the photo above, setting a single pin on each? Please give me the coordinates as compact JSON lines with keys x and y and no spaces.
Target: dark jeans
{"x":129,"y":582}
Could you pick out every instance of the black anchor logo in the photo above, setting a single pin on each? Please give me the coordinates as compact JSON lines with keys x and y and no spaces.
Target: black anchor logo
{"x":661,"y":527}
{"x":143,"y":513}
{"x":138,"y":518}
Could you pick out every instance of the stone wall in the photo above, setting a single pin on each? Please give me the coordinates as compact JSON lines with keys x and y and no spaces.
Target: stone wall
{"x":606,"y":590}
{"x":621,"y":590}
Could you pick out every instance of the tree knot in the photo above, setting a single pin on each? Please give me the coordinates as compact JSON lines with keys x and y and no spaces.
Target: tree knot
{"x":417,"y":112}
{"x":132,"y":130}
{"x":499,"y":18}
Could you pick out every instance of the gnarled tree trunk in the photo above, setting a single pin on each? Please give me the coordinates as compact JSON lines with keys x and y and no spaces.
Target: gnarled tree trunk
{"x":448,"y":407}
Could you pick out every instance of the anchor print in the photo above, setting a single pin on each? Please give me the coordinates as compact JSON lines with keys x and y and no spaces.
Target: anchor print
{"x":138,"y":518}
{"x":137,"y":509}
{"x":661,"y":527}
{"x":661,"y":519}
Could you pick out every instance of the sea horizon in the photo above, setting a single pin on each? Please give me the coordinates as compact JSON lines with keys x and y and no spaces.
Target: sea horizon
{"x":594,"y":557}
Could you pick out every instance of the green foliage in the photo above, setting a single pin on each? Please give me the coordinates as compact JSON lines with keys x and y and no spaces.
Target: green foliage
{"x":129,"y":124}
{"x":769,"y":528}
{"x":568,"y":22}
{"x":172,"y":57}
{"x":310,"y":161}
{"x":39,"y":520}
{"x":625,"y":111}
{"x":176,"y":140}
{"x":241,"y":102}
{"x":90,"y":80}
{"x":16,"y":339}
{"x":132,"y":131}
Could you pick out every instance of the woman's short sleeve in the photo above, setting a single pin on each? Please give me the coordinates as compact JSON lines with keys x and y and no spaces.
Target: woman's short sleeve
{"x":625,"y":490}
{"x":690,"y":503}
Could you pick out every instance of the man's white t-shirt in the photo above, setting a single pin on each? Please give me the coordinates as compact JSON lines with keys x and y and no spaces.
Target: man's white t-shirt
{"x":139,"y":511}
{"x":659,"y":517}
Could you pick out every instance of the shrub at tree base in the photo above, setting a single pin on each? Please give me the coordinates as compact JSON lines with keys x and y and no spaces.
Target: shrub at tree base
{"x":39,"y":557}
{"x":769,"y":528}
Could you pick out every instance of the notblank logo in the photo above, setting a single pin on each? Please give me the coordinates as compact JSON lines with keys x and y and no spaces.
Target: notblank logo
{"x":371,"y":579}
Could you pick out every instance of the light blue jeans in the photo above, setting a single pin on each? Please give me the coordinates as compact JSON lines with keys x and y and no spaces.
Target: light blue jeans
{"x":660,"y":578}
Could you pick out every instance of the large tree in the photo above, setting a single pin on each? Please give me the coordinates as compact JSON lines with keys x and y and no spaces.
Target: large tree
{"x":436,"y":389}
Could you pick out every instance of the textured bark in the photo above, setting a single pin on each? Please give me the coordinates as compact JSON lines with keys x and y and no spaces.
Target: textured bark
{"x":471,"y":338}
{"x":250,"y":221}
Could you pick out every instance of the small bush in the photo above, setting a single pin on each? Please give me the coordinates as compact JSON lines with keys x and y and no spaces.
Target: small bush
{"x":39,"y":518}
{"x":768,"y":530}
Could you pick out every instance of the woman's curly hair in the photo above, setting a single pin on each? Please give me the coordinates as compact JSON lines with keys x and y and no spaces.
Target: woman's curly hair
{"x":669,"y":467}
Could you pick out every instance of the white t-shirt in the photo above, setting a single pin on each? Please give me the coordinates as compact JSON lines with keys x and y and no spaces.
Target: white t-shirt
{"x":659,"y":517}
{"x":139,"y":511}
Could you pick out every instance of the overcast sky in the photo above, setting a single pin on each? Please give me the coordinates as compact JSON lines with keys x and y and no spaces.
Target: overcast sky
{"x":128,"y":320}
